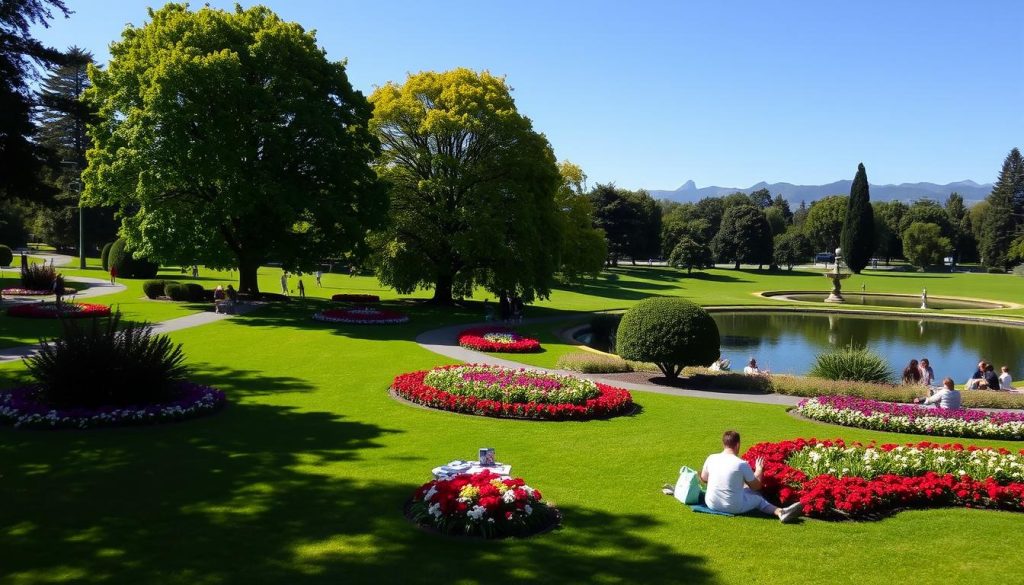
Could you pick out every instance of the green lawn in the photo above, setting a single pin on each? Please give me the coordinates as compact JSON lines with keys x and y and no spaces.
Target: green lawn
{"x":301,"y":479}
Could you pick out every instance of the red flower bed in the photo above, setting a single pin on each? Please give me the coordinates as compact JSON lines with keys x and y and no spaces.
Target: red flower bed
{"x":67,"y":310}
{"x":840,"y":496}
{"x":355,"y":298}
{"x":497,"y":339}
{"x":610,"y":401}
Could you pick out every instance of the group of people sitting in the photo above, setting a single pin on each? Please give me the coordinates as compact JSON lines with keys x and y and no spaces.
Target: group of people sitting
{"x":984,"y":378}
{"x":224,"y":300}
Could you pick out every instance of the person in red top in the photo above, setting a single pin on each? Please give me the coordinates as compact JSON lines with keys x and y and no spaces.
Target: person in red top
{"x":113,"y":274}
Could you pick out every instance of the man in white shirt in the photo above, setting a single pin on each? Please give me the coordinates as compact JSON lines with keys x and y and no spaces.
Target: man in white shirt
{"x":948,"y":397}
{"x":731,"y":483}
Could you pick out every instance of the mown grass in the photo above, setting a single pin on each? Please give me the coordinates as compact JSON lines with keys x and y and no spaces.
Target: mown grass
{"x":301,"y":480}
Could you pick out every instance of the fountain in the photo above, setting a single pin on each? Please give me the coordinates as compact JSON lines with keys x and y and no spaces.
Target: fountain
{"x":837,"y":276}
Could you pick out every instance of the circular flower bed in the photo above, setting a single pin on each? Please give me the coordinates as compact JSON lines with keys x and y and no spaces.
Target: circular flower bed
{"x":22,"y":408}
{"x":903,"y":418}
{"x":504,"y":392}
{"x":362,"y":316}
{"x":67,"y":310}
{"x":29,"y":292}
{"x":837,"y":480}
{"x":497,"y":339}
{"x":355,"y":298}
{"x":481,"y":504}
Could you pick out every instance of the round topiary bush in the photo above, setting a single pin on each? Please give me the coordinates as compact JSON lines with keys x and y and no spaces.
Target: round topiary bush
{"x":127,"y":265}
{"x":195,"y":292}
{"x":6,"y":256}
{"x":155,"y":288}
{"x":105,"y":255}
{"x":176,"y":291}
{"x":671,"y":333}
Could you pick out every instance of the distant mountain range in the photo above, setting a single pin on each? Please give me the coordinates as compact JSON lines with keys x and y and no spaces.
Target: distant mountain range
{"x":972,"y":192}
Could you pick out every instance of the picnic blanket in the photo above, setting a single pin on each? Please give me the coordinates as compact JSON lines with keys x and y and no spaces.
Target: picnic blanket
{"x":701,"y":507}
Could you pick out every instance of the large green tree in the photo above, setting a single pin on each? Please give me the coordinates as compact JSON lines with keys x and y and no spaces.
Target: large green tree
{"x":63,"y":117}
{"x":965,"y":248}
{"x":583,"y":249}
{"x":744,"y":237}
{"x":792,"y":248}
{"x":825,"y":222}
{"x":473,"y":188}
{"x":21,"y":155}
{"x":858,"y":234}
{"x":228,"y":138}
{"x":924,"y":245}
{"x":631,"y":221}
{"x":1002,"y":217}
{"x":888,"y":232}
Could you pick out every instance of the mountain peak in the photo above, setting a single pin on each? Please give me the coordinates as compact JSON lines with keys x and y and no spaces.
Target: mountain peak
{"x":688,"y":186}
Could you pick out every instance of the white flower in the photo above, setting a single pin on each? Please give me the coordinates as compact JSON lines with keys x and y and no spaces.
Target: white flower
{"x":477,"y":513}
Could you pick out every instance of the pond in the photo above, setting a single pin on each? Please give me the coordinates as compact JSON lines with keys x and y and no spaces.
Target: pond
{"x":884,"y":300}
{"x":788,"y":342}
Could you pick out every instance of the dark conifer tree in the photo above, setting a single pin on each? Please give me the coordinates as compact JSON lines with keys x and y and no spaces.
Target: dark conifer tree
{"x":1003,"y":219}
{"x":858,"y":235}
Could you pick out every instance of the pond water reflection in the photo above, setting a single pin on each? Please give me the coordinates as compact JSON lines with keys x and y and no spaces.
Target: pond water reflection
{"x":788,"y":342}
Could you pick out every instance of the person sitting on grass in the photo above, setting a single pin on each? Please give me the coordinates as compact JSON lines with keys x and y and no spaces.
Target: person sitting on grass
{"x":732,"y":483}
{"x":753,"y":370}
{"x":991,"y":378}
{"x":912,"y":373}
{"x":1005,"y":381}
{"x":947,"y":397}
{"x":977,"y":378}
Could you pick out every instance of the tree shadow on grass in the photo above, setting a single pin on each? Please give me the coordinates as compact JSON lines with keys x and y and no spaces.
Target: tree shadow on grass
{"x":715,"y":277}
{"x":267,"y":494}
{"x":238,"y":382}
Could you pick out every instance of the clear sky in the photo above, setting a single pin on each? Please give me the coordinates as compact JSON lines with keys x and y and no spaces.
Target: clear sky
{"x":650,"y":94}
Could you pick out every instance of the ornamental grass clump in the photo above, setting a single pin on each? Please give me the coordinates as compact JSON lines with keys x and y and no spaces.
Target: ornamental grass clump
{"x":593,"y":363}
{"x":105,"y":364}
{"x":38,"y":277}
{"x":852,"y":363}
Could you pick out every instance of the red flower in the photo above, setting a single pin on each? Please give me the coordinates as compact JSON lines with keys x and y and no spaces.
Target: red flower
{"x":476,"y":339}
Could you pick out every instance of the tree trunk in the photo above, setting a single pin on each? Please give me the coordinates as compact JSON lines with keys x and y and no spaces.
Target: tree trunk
{"x":247,"y":281}
{"x":443,"y":290}
{"x":737,"y":266}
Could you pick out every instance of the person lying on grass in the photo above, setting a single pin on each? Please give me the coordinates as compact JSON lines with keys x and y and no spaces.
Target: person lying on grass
{"x":732,"y":484}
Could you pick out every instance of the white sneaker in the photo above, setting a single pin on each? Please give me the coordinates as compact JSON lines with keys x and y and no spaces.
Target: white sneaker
{"x":792,"y":512}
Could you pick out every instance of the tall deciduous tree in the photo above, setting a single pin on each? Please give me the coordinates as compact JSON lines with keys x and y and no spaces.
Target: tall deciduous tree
{"x":924,"y":245}
{"x":965,"y":248}
{"x":792,"y":248}
{"x":229,"y":138}
{"x":631,"y":221}
{"x":745,"y":236}
{"x":888,"y":232}
{"x":858,"y":235}
{"x":472,"y":188}
{"x":22,"y":157}
{"x":583,"y":249}
{"x":825,"y":221}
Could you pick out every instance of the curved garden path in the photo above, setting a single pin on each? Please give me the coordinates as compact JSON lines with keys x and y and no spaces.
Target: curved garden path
{"x":444,"y":341}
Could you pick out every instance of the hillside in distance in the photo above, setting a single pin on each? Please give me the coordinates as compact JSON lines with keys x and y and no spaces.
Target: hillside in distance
{"x":972,"y":192}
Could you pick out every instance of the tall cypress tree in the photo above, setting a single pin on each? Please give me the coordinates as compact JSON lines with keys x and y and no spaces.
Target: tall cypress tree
{"x":1002,"y":219}
{"x":858,"y":236}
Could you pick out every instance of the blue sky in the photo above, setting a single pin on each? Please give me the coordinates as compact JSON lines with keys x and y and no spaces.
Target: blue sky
{"x":650,"y":94}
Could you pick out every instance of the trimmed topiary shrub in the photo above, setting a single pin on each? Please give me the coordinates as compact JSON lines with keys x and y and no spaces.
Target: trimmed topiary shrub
{"x":176,"y":291}
{"x":105,"y":255}
{"x":855,"y":364}
{"x":107,"y":365}
{"x":155,"y":288}
{"x":195,"y":292}
{"x":6,"y":256}
{"x":127,"y":265}
{"x":671,"y":333}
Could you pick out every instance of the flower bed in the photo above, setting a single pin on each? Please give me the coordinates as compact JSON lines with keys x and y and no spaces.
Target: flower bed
{"x":67,"y":310}
{"x":362,"y":316}
{"x":22,"y":408}
{"x":481,"y":504}
{"x":902,"y":418}
{"x":836,"y":480}
{"x":497,"y":339}
{"x":503,"y":392}
{"x":30,"y":292}
{"x":355,"y":298}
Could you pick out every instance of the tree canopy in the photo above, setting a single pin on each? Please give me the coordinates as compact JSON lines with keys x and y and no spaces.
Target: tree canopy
{"x":1003,"y":216}
{"x":824,"y":222}
{"x":858,"y":234}
{"x":631,"y":221}
{"x":583,"y":249}
{"x":473,"y":188}
{"x":924,"y":245}
{"x":744,"y":236}
{"x":228,"y":138}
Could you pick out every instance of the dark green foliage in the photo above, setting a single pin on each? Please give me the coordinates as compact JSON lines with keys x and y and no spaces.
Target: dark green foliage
{"x":100,"y":363}
{"x":195,"y":292}
{"x":631,"y":221}
{"x":155,"y":288}
{"x":690,"y":254}
{"x":927,"y":211}
{"x":1000,"y":223}
{"x":824,"y":222}
{"x":38,"y":277}
{"x":6,"y":256}
{"x":996,"y":270}
{"x":744,"y":236}
{"x":792,"y":248}
{"x":924,"y":245}
{"x":858,"y":235}
{"x":127,"y":265}
{"x":852,"y":364}
{"x":671,"y":333}
{"x":603,"y":330}
{"x":888,"y":230}
{"x":965,"y":247}
{"x":105,"y":255}
{"x":176,"y":291}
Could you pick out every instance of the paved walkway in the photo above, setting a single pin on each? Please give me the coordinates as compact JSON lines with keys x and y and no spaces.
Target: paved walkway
{"x":444,"y":341}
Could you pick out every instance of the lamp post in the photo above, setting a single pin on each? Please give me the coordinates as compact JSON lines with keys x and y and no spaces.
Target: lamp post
{"x":77,"y":186}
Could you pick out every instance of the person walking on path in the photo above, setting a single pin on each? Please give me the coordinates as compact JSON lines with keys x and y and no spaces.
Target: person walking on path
{"x":302,"y":289}
{"x":195,"y":271}
{"x":113,"y":274}
{"x":319,"y":275}
{"x":284,"y":283}
{"x":58,"y":290}
{"x":732,"y":484}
